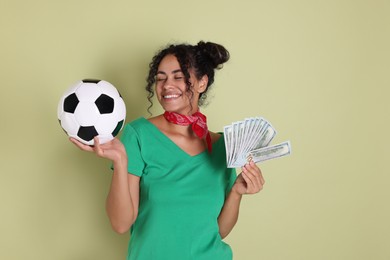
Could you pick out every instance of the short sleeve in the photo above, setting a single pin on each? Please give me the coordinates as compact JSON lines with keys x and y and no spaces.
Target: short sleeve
{"x":132,"y":143}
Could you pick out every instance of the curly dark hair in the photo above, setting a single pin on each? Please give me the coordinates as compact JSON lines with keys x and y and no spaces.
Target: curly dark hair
{"x":204,"y":58}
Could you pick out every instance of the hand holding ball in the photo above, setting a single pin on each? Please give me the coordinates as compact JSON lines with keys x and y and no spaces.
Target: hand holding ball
{"x":91,"y":108}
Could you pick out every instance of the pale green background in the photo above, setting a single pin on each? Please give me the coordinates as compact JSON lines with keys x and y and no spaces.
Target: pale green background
{"x":317,"y":70}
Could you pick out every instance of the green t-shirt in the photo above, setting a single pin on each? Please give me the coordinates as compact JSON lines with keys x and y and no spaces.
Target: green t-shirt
{"x":181,"y":197}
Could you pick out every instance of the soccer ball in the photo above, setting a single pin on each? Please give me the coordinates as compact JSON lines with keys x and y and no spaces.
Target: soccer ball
{"x":91,"y":108}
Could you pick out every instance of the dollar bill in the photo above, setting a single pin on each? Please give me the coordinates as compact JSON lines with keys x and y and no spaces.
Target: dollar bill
{"x":228,"y":132}
{"x":269,"y":152}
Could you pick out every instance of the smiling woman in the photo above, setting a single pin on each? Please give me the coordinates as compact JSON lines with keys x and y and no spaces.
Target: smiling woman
{"x":191,"y":64}
{"x":171,"y":185}
{"x":171,"y":88}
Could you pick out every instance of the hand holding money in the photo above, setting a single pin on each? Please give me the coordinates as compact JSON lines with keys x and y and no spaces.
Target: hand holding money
{"x":250,"y":180}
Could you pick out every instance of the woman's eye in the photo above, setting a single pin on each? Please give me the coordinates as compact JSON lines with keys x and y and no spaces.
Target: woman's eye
{"x":160,"y":79}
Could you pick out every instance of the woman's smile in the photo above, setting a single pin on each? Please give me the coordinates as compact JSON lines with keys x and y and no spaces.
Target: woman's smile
{"x":171,"y":96}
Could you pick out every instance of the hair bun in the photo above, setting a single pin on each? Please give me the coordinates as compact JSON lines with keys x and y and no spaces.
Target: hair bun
{"x":215,"y":53}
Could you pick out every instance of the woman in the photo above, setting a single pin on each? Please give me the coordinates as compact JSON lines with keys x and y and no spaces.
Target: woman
{"x":170,"y":183}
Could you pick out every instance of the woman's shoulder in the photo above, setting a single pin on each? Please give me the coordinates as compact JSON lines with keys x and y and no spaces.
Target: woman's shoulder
{"x":140,"y":121}
{"x":136,"y":125}
{"x":215,"y":136}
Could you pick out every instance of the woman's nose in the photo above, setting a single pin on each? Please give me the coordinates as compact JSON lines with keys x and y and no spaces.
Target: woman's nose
{"x":167,"y":84}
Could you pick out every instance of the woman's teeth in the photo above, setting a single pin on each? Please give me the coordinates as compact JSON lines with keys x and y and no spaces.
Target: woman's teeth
{"x":171,"y":96}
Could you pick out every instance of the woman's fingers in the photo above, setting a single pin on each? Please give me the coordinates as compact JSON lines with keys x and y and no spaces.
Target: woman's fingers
{"x":253,"y":177}
{"x":112,"y":150}
{"x":96,"y":148}
{"x":248,"y":180}
{"x":257,"y":172}
{"x":80,"y":145}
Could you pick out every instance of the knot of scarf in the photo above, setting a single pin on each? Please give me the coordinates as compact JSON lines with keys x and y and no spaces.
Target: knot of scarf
{"x":198,"y":122}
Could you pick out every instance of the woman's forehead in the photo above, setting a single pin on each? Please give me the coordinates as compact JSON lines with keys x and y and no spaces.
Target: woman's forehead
{"x":169,"y":63}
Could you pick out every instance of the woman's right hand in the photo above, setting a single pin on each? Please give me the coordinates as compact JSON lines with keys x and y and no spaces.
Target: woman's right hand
{"x":113,"y":150}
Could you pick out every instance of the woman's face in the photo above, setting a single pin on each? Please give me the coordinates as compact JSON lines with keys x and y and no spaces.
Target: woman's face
{"x":171,"y":87}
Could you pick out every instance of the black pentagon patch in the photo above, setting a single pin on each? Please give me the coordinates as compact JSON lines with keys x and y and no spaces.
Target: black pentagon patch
{"x":87,"y":133}
{"x":96,"y":81}
{"x":117,"y":128}
{"x":105,"y":104}
{"x":70,"y":103}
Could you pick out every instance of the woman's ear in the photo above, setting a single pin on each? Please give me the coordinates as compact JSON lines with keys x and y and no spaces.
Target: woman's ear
{"x":202,"y":86}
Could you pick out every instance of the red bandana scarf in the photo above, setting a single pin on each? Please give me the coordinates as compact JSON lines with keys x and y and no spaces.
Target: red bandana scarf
{"x":197,"y":122}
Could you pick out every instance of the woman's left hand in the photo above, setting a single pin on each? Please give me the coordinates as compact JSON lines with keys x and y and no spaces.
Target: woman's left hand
{"x":250,"y":180}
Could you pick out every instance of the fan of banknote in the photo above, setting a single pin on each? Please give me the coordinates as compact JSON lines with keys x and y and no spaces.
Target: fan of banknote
{"x":250,"y":140}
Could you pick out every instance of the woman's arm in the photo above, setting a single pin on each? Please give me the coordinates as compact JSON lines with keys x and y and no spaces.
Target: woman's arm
{"x":228,"y":217}
{"x":122,"y":200}
{"x":123,"y":197}
{"x":249,"y":181}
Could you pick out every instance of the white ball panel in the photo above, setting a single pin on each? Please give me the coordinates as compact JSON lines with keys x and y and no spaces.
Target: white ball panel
{"x":88,"y":92}
{"x":119,"y":109}
{"x":86,"y":113}
{"x":106,"y":124}
{"x":69,"y":123}
{"x":108,"y":89}
{"x":105,"y":138}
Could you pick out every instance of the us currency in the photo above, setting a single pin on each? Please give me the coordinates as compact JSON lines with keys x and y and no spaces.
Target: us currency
{"x":250,"y":139}
{"x":266,"y":139}
{"x":228,"y":132}
{"x":269,"y":152}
